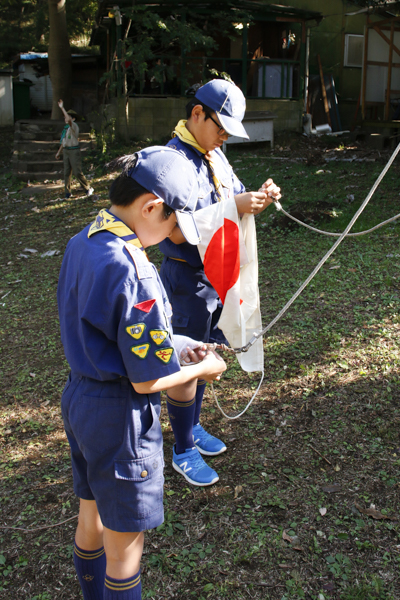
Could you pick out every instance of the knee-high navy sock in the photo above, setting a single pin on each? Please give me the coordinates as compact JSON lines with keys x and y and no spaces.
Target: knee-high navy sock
{"x":201,"y":387}
{"x":123,"y":589}
{"x":90,"y":567}
{"x":181,"y":419}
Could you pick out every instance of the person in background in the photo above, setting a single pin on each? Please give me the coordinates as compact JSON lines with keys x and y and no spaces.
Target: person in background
{"x":69,"y":144}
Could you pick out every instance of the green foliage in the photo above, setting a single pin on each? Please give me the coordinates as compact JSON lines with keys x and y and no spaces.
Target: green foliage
{"x":25,"y":24}
{"x":156,"y":43}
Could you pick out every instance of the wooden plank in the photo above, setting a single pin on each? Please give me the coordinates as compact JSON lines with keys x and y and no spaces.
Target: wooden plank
{"x":387,"y":40}
{"x":389,"y":79}
{"x":385,"y":22}
{"x":378,"y":63}
{"x":326,"y":106}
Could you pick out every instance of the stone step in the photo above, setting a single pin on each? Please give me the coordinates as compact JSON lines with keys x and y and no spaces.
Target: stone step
{"x":37,"y":125}
{"x":41,"y":176}
{"x":32,"y":167}
{"x":45,"y":154}
{"x":46,"y":136}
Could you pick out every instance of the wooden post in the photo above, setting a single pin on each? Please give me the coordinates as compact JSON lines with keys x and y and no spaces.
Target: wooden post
{"x":364,"y":73}
{"x":326,"y":105}
{"x":389,"y":79}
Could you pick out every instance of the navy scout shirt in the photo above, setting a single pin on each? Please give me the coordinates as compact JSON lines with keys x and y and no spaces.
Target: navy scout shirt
{"x":230,"y":185}
{"x":114,"y":312}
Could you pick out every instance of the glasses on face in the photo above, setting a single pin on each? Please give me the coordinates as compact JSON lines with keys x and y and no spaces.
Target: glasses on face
{"x":221,"y":130}
{"x":167,"y":211}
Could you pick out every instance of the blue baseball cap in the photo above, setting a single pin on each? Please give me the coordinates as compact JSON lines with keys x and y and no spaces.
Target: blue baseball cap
{"x":228,"y":102}
{"x":169,"y":175}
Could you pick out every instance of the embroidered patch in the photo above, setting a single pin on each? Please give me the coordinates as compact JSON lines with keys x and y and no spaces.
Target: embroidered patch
{"x":136,"y":331}
{"x":141,"y":351}
{"x":165,"y":354}
{"x":158,"y":336}
{"x":146,"y":306}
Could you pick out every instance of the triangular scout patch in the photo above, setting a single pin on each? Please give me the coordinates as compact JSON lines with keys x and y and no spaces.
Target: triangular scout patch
{"x":141,"y":351}
{"x":146,"y":306}
{"x":158,"y":336}
{"x":164,"y":354}
{"x":136,"y":331}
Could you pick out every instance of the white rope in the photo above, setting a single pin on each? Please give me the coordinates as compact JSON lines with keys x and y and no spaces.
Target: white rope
{"x":279,"y":207}
{"x":248,"y":405}
{"x":309,"y":278}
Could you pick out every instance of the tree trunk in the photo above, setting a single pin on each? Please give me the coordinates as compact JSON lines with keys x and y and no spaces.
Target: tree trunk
{"x":59,"y":57}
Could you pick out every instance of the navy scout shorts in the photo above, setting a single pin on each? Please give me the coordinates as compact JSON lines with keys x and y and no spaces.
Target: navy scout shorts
{"x":116,"y":451}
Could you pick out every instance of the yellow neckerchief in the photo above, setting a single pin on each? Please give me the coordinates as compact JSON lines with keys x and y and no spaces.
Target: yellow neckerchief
{"x":105,"y":221}
{"x":185,"y":136}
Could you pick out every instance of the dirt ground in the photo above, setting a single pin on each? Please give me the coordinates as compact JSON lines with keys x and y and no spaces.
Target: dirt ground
{"x":308,"y":498}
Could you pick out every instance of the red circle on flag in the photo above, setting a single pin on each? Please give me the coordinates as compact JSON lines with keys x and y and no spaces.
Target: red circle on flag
{"x":222,"y":258}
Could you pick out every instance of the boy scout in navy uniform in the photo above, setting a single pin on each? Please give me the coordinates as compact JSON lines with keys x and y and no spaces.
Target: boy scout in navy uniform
{"x":115,"y":328}
{"x":213,"y":114}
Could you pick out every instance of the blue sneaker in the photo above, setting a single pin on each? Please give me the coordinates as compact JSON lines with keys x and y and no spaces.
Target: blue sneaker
{"x":193,"y":468}
{"x":205,"y":443}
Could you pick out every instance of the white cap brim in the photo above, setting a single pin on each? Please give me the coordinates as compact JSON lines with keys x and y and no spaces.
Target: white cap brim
{"x":232,"y":126}
{"x":188,"y":227}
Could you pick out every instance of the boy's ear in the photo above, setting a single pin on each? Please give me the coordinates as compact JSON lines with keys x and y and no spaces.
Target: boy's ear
{"x":196,"y":112}
{"x":149,"y":205}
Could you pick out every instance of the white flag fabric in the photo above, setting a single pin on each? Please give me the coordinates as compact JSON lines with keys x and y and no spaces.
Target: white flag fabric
{"x":228,"y":249}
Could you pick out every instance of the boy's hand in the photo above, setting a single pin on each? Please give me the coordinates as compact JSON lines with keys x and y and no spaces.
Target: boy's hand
{"x":214,"y":365}
{"x":272,"y":190}
{"x":58,"y":156}
{"x":61,"y":104}
{"x":252,"y":202}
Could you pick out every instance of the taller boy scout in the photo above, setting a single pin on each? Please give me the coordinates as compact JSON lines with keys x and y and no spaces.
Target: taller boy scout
{"x":115,"y":327}
{"x":215,"y":112}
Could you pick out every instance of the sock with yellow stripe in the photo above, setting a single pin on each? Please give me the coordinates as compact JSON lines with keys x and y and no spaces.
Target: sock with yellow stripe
{"x":181,"y":419}
{"x":201,"y":387}
{"x":90,"y":566}
{"x":123,"y":589}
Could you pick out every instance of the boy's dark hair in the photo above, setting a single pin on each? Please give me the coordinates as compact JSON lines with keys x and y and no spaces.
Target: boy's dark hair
{"x":194,"y":102}
{"x":124,"y":190}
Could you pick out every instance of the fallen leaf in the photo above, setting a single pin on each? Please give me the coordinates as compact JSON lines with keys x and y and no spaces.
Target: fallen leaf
{"x":322,"y":511}
{"x":372,"y":512}
{"x":36,"y":209}
{"x":287,"y":537}
{"x":32,"y":375}
{"x":238,"y":489}
{"x":335,"y":267}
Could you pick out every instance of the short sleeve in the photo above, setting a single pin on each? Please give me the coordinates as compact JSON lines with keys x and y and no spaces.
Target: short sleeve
{"x":144,"y":330}
{"x":238,"y":187}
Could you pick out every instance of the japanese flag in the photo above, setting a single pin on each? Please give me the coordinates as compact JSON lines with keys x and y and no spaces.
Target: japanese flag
{"x":228,"y":249}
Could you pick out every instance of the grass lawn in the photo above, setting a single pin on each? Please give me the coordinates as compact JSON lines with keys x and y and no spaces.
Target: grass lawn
{"x":308,"y":498}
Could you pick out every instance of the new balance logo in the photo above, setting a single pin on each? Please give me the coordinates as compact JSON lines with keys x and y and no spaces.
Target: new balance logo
{"x":184,"y":467}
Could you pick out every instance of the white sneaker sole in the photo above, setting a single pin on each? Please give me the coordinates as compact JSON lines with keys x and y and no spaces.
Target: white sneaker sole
{"x":206,"y":453}
{"x":179,"y":470}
